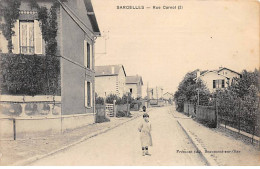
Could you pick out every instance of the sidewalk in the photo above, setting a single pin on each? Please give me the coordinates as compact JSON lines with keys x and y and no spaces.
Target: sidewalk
{"x":20,"y":152}
{"x":221,"y":149}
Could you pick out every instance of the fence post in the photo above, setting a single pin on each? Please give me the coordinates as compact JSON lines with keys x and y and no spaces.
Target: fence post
{"x":216,"y":112}
{"x":239,"y":114}
{"x":14,"y":128}
{"x":188,"y":109}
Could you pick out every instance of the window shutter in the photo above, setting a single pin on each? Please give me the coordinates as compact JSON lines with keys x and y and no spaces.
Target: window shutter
{"x":86,"y":94}
{"x":214,"y":84}
{"x":85,"y":53}
{"x":16,"y":38}
{"x":91,"y":55}
{"x":91,"y":99}
{"x":37,"y":37}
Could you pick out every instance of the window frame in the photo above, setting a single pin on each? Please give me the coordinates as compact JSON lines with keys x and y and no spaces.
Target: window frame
{"x":27,"y":37}
{"x":88,"y":94}
{"x":88,"y":54}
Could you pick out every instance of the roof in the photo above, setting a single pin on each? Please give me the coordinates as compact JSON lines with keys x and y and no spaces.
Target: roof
{"x":202,"y":73}
{"x":168,"y":93}
{"x":109,"y":70}
{"x":213,"y":71}
{"x":229,"y":70}
{"x":134,"y":79}
{"x":92,"y":17}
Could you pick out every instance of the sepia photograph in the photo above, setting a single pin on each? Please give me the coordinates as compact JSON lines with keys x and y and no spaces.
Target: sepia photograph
{"x":129,"y":83}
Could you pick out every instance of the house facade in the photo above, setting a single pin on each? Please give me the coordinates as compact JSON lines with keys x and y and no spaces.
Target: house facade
{"x":110,"y":79}
{"x":218,"y":79}
{"x":77,"y":30}
{"x":155,"y":92}
{"x":134,"y":85}
{"x":168,"y":96}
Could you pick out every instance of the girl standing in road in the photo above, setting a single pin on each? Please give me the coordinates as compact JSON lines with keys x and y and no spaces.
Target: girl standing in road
{"x":146,"y":138}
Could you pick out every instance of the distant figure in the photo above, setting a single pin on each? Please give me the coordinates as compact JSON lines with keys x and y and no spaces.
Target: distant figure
{"x":145,"y":136}
{"x":144,"y":109}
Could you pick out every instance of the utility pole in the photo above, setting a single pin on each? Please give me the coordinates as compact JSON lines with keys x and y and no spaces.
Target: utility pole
{"x":198,"y":97}
{"x":157,"y":95}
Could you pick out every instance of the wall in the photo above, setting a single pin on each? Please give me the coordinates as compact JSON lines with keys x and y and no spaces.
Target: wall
{"x":36,"y":116}
{"x":105,"y":85}
{"x":208,"y":80}
{"x":121,"y":82}
{"x":134,"y":89}
{"x":73,"y":71}
{"x":27,"y":127}
{"x":25,"y":5}
{"x":229,"y":74}
{"x":139,"y":90}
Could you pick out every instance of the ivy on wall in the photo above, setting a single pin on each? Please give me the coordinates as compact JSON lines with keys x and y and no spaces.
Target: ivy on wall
{"x":25,"y":75}
{"x":49,"y":25}
{"x":48,"y":18}
{"x":10,"y":13}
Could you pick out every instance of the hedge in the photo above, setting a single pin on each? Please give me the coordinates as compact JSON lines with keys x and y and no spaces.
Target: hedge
{"x":22,"y":74}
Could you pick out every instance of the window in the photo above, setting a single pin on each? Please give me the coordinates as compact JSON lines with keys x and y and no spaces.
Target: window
{"x":27,"y":38}
{"x":131,"y":90}
{"x":218,"y":83}
{"x":214,"y":84}
{"x":223,"y":83}
{"x":88,"y":94}
{"x":87,"y":55}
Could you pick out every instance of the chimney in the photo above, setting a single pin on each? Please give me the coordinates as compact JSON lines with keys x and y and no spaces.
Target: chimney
{"x":113,"y":69}
{"x":198,"y":73}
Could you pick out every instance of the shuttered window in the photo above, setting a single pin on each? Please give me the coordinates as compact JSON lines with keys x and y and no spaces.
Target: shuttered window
{"x":88,"y":94}
{"x":88,"y":55}
{"x":218,"y":83}
{"x":27,"y":38}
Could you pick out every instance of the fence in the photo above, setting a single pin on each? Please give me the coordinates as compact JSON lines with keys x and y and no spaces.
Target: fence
{"x":239,"y":114}
{"x":101,"y":115}
{"x":189,"y":109}
{"x":110,"y":110}
{"x":232,"y":114}
{"x":207,"y":114}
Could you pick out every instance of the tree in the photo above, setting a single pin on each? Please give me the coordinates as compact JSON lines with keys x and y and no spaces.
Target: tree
{"x":188,"y":91}
{"x":241,"y":85}
{"x":99,"y":100}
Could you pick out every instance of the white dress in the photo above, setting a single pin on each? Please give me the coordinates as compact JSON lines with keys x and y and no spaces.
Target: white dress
{"x":145,"y":136}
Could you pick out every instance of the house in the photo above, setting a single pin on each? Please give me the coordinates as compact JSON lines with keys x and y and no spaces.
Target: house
{"x":134,"y":85}
{"x":72,"y":48}
{"x":168,"y":96}
{"x":110,"y":79}
{"x":218,"y":79}
{"x":155,"y":92}
{"x":150,"y":93}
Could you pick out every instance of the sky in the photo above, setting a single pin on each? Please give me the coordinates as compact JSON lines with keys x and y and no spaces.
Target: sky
{"x":162,"y":45}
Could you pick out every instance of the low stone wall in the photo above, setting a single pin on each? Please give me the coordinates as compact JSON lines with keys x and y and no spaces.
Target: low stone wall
{"x":24,"y":106}
{"x":39,"y":127}
{"x":29,"y":117}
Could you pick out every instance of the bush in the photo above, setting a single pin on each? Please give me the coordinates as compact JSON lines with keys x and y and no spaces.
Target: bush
{"x":123,"y":113}
{"x":99,"y":100}
{"x":29,"y":74}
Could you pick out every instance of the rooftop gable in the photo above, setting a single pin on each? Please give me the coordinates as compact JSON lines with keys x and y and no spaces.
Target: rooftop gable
{"x":224,"y":68}
{"x":134,"y":79}
{"x":109,"y":70}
